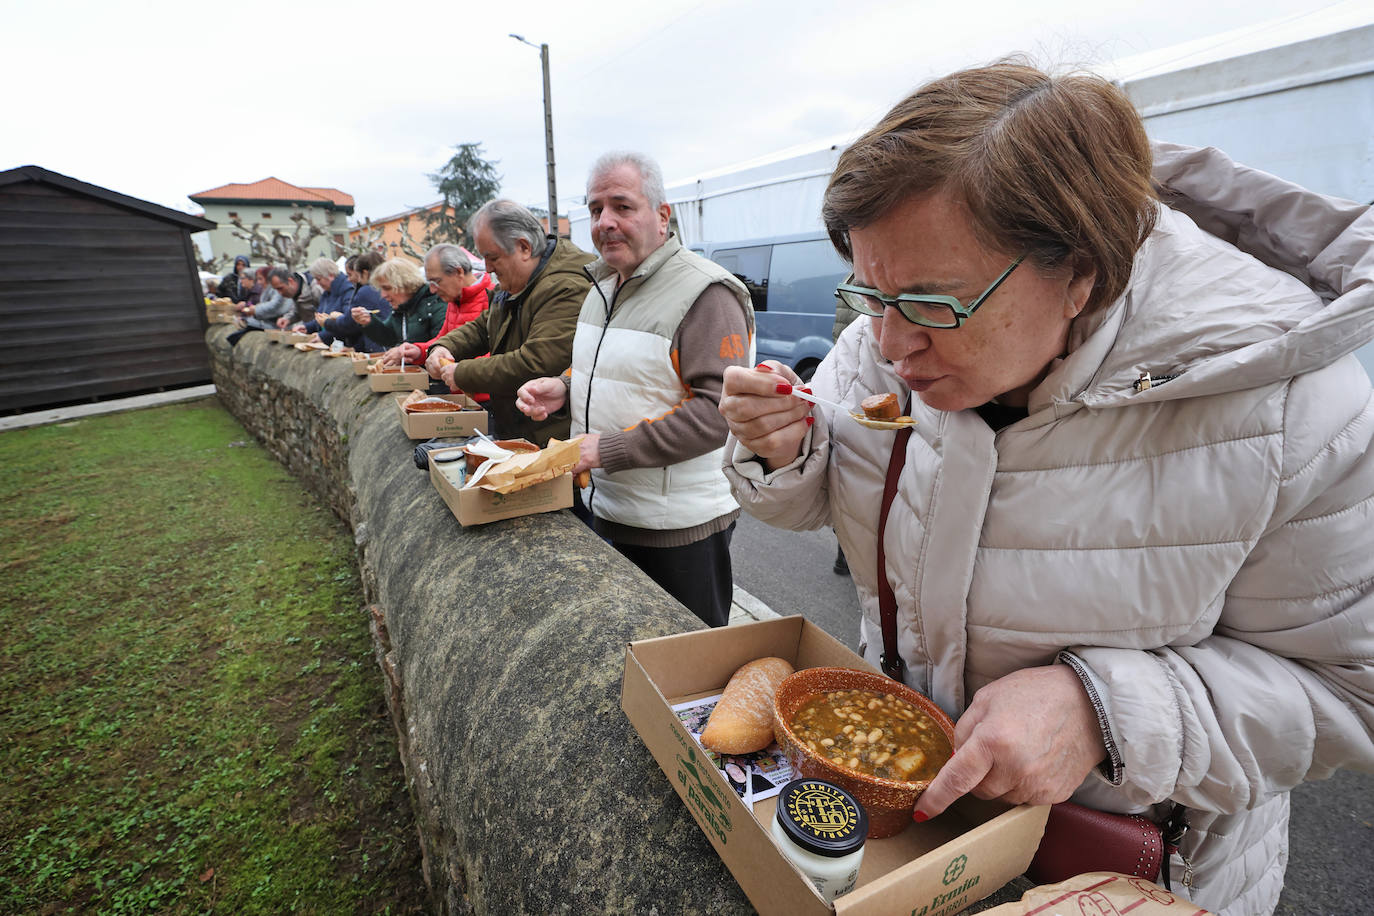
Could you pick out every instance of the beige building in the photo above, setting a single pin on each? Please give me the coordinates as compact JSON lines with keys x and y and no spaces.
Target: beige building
{"x":269,"y":203}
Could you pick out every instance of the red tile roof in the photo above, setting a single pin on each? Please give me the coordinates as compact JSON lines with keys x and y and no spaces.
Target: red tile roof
{"x":275,"y":189}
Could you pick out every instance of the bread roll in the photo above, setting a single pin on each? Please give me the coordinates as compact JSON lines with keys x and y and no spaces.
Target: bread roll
{"x":881,"y":407}
{"x":742,"y":721}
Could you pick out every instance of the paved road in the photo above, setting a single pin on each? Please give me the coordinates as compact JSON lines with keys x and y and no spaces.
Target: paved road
{"x":1331,"y":864}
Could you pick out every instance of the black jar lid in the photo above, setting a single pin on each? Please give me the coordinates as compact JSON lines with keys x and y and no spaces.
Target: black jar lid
{"x":821,"y":817}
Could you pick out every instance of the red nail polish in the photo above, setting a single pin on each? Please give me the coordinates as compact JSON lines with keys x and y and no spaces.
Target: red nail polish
{"x":763,"y":367}
{"x":807,"y":390}
{"x":784,"y":388}
{"x":920,"y":817}
{"x":810,"y":420}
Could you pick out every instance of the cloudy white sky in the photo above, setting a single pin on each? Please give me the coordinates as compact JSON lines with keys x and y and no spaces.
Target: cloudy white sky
{"x":159,"y":100}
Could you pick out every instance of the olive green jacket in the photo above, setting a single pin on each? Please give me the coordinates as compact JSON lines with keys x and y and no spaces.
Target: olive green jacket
{"x":416,"y":320}
{"x":529,"y":336}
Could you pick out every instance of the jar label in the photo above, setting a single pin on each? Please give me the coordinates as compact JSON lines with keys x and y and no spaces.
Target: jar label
{"x":823,"y":811}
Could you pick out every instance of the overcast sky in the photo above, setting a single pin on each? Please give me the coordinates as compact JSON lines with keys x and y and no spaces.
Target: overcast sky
{"x":160,"y":100}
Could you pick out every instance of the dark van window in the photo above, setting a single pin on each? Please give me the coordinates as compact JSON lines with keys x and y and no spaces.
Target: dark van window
{"x":751,"y":266}
{"x":805,"y":275}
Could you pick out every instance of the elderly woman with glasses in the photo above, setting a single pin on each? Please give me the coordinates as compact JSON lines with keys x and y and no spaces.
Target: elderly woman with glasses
{"x":450,"y":273}
{"x":416,"y":313}
{"x":1129,"y":541}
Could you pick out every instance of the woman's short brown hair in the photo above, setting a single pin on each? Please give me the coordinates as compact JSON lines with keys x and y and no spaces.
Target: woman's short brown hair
{"x":1057,"y":168}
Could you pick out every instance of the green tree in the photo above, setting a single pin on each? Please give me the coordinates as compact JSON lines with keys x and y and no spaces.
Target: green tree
{"x":466,"y":182}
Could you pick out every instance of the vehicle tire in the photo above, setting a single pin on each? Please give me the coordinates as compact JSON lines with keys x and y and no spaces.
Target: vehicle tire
{"x":806,"y":369}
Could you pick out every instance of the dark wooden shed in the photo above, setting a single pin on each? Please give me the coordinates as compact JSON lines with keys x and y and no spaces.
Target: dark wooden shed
{"x":99,"y":293}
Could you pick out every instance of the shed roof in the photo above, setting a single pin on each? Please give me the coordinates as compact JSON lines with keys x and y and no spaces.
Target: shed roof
{"x":274,"y":190}
{"x":156,"y":211}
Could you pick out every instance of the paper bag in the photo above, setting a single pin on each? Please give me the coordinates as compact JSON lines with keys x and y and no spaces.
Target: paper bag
{"x":526,"y":469}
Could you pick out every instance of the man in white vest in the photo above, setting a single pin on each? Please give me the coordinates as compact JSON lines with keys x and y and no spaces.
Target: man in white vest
{"x":657,"y":329}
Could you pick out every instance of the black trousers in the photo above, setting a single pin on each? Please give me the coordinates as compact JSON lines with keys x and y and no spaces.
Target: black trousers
{"x":697,"y":574}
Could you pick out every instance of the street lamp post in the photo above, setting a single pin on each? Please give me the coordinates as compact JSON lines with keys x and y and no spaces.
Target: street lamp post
{"x":548,"y":131}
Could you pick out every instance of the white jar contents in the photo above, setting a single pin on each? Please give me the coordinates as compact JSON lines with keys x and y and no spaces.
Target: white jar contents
{"x":821,"y":829}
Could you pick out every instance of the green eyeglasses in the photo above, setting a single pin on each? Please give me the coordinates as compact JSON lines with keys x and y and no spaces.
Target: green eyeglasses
{"x":926,"y":310}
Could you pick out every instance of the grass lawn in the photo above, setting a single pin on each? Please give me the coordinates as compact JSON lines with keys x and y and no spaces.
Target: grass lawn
{"x":191,"y":720}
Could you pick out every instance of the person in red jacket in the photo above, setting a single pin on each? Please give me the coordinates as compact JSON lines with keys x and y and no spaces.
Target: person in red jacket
{"x":451,"y":274}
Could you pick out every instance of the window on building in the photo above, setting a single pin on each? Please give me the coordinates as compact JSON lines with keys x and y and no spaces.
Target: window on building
{"x":267,"y":216}
{"x":233,"y":215}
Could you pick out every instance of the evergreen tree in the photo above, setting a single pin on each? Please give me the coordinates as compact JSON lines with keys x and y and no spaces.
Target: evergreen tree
{"x":466,"y":182}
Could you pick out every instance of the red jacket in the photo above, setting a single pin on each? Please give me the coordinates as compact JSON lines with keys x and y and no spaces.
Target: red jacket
{"x":472,"y":301}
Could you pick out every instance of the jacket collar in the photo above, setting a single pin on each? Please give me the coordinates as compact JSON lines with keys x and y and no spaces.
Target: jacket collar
{"x":405,"y":308}
{"x":550,"y":243}
{"x":600,"y":271}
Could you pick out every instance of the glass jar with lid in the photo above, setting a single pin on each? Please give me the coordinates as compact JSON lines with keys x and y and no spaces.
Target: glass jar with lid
{"x":821,"y":829}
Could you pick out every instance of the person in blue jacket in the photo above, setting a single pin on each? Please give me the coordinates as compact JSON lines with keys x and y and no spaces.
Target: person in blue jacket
{"x":364,"y":295}
{"x":335,"y":292}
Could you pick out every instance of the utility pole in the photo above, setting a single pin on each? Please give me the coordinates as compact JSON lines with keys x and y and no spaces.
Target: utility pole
{"x":548,"y":131}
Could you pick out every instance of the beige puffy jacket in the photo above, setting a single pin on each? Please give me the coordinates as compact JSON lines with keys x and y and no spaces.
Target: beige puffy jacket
{"x":1201,"y":551}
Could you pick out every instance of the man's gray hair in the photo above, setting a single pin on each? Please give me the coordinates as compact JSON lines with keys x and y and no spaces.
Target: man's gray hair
{"x":650,"y":175}
{"x":509,"y":222}
{"x":280,"y":273}
{"x":451,"y":258}
{"x":323,"y":267}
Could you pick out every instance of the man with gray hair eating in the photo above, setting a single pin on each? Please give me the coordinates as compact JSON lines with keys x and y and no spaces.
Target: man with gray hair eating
{"x":655,"y":335}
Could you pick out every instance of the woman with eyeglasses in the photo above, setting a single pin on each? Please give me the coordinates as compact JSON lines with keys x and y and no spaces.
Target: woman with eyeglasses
{"x":416,"y":313}
{"x":1129,"y":543}
{"x":450,"y":273}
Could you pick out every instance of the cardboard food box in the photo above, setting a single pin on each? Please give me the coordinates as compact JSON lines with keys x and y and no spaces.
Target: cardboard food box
{"x":470,"y":418}
{"x":362,"y":360}
{"x":932,"y":869}
{"x":415,"y":379}
{"x":275,"y":335}
{"x":477,"y":506}
{"x":220,"y":312}
{"x":292,"y":337}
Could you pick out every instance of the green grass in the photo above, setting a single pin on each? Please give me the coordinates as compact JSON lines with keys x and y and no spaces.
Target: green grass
{"x":191,"y":720}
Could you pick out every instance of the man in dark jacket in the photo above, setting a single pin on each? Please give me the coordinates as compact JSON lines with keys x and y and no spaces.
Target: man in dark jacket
{"x":528,"y":327}
{"x":300,"y":295}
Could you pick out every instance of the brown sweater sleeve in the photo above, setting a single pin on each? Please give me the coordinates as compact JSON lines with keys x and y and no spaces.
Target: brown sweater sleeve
{"x":713,"y":334}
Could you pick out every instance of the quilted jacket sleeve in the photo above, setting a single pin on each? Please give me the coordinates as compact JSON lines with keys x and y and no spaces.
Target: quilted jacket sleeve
{"x":1283,"y":690}
{"x":795,"y":497}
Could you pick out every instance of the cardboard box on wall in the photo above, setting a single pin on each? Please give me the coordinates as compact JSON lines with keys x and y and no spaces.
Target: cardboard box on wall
{"x":409,"y":380}
{"x":362,"y":360}
{"x":448,"y":423}
{"x":932,"y":869}
{"x":293,"y":337}
{"x":478,"y":506}
{"x":275,"y":335}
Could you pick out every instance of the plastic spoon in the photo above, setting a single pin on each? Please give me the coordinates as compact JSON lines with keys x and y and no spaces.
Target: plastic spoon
{"x":856,"y":416}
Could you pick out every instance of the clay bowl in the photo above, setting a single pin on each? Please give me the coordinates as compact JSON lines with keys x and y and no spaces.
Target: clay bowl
{"x":510,"y":445}
{"x":889,"y":802}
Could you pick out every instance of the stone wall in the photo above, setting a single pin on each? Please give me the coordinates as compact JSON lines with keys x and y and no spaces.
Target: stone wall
{"x":502,"y":647}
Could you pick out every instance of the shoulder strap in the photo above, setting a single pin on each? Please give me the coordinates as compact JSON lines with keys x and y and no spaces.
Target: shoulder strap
{"x":891,"y":659}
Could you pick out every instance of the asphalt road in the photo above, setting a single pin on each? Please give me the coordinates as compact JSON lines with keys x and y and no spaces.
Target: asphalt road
{"x":1331,"y":857}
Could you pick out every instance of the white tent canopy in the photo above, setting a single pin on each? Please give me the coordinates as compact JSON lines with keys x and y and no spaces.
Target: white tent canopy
{"x":1293,"y":96}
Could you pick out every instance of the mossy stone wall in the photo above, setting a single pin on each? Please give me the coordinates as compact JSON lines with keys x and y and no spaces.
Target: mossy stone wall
{"x":502,"y":648}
